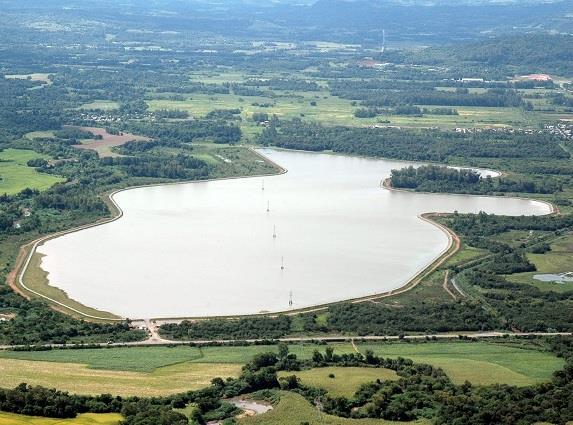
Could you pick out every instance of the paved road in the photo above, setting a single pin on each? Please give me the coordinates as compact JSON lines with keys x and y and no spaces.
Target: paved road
{"x":449,"y":336}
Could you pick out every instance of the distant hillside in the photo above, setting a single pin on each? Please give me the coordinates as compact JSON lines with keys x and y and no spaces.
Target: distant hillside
{"x":526,"y":53}
{"x":411,"y":22}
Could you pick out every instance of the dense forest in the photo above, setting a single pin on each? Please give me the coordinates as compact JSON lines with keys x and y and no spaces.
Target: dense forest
{"x":412,"y":144}
{"x":432,"y":178}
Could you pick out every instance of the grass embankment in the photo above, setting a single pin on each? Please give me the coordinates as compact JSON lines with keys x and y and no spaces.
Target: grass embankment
{"x":36,"y":279}
{"x":342,"y":381}
{"x":84,"y":419}
{"x":293,"y":409}
{"x":15,"y":175}
{"x":165,"y":370}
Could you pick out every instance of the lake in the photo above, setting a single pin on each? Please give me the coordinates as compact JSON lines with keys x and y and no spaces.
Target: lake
{"x":207,"y":248}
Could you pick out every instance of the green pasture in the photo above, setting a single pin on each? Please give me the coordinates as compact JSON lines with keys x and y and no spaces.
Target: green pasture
{"x":293,"y":409}
{"x":83,"y":419}
{"x":342,"y":381}
{"x":481,"y":363}
{"x":15,"y":175}
{"x":558,"y":260}
{"x":104,"y":105}
{"x":140,"y":359}
{"x":79,"y":379}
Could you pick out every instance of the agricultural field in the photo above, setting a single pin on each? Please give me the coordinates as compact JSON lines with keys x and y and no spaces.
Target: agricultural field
{"x":16,"y":175}
{"x":342,"y":381}
{"x":36,"y":76}
{"x":79,"y":379}
{"x":293,"y":409}
{"x":329,"y":109}
{"x":140,"y":359}
{"x":104,"y":105}
{"x":108,"y":141}
{"x":38,"y":134}
{"x":147,"y":359}
{"x":83,"y":419}
{"x":166,"y":370}
{"x":481,"y":363}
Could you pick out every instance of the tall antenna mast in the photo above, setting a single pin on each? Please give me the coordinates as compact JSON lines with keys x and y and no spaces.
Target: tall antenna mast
{"x":290,"y":299}
{"x":268,"y":206}
{"x":263,"y":185}
{"x":282,"y":263}
{"x":275,"y":231}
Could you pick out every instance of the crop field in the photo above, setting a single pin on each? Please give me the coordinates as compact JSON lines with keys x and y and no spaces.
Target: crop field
{"x":104,"y":105}
{"x":329,"y":109}
{"x":165,"y":370}
{"x":293,"y":409}
{"x":103,"y":146}
{"x":79,"y":379}
{"x":147,"y":359}
{"x":480,"y":363}
{"x":558,"y":260}
{"x":342,"y":381}
{"x":83,"y":419}
{"x":15,"y":175}
{"x":321,"y":106}
{"x":244,"y":354}
{"x":140,"y":359}
{"x":37,"y":76}
{"x":39,"y":134}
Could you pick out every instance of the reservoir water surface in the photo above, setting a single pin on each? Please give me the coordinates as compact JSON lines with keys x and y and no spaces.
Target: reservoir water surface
{"x":207,"y":248}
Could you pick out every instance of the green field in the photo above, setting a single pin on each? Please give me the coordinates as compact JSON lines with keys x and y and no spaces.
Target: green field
{"x":16,"y":175}
{"x":558,"y":260}
{"x":105,"y":105}
{"x":147,"y":359}
{"x":293,"y":409}
{"x":333,"y":110}
{"x":39,"y":135}
{"x":140,"y":359}
{"x":481,"y":363}
{"x":346,"y":380}
{"x":79,"y":379}
{"x":161,"y":370}
{"x":464,"y":255}
{"x":83,"y":419}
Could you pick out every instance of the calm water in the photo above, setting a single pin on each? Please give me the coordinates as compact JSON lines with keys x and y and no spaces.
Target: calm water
{"x":207,"y":248}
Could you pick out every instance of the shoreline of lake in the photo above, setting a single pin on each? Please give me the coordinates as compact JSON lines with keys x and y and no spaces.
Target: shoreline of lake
{"x":403,"y":287}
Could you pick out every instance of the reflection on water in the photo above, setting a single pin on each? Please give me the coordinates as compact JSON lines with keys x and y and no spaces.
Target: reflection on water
{"x":208,"y":248}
